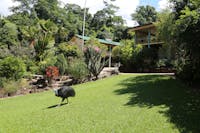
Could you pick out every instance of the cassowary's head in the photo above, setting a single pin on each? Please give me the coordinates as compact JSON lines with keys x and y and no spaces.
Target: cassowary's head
{"x":55,"y":91}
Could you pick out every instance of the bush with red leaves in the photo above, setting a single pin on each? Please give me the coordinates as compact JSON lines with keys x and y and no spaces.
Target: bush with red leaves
{"x":52,"y":72}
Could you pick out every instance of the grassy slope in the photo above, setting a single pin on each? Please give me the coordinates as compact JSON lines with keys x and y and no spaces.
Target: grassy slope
{"x":124,"y":103}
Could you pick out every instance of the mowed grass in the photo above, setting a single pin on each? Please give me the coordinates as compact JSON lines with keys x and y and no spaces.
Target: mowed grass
{"x":125,"y":103}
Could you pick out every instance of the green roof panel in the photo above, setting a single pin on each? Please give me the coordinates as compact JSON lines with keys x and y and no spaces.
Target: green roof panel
{"x":86,"y":38}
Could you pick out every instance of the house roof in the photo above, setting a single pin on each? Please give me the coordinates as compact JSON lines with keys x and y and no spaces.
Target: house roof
{"x":141,"y":27}
{"x":153,"y":43}
{"x":86,"y":38}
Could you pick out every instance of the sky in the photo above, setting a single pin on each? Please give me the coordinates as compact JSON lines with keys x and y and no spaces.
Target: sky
{"x":127,"y":7}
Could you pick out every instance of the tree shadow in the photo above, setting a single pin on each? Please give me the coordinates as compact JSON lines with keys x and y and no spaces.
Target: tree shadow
{"x":56,"y":105}
{"x":156,"y":90}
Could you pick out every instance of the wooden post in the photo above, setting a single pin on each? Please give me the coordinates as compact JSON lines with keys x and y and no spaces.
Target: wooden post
{"x":149,"y":38}
{"x":110,"y":55}
{"x":135,"y":37}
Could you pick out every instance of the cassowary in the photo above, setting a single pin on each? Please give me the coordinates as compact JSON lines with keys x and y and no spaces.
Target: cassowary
{"x":64,"y":92}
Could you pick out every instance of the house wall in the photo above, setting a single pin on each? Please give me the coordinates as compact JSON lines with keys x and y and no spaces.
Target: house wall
{"x":143,"y":35}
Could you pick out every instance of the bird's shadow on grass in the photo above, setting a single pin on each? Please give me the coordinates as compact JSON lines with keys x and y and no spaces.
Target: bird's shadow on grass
{"x":56,"y":105}
{"x":182,"y":104}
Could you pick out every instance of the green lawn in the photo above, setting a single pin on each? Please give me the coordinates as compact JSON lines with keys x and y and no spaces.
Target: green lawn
{"x":125,"y":103}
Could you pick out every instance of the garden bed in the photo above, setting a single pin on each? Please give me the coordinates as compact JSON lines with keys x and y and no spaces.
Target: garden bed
{"x":35,"y":87}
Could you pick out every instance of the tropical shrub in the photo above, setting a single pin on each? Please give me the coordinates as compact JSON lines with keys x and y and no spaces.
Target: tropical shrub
{"x":48,"y":58}
{"x":128,"y":54}
{"x":68,"y":50}
{"x":61,"y":63}
{"x":116,"y":52}
{"x":23,"y":83}
{"x":127,"y":50}
{"x":32,"y":66}
{"x":78,"y":70}
{"x":12,"y":68}
{"x":94,"y":54}
{"x":4,"y":52}
{"x":148,"y":58}
{"x":10,"y":87}
{"x":2,"y":80}
{"x":40,"y":47}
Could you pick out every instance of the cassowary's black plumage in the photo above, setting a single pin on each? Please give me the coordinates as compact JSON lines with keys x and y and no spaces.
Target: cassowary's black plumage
{"x":65,"y":92}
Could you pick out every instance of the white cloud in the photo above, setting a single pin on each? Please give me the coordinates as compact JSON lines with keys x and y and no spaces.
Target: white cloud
{"x":127,"y":7}
{"x":164,"y":4}
{"x":131,"y":23}
{"x":4,"y":4}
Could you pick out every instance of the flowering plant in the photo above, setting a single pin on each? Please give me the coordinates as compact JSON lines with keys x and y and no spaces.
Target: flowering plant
{"x":52,"y":72}
{"x":95,"y":58}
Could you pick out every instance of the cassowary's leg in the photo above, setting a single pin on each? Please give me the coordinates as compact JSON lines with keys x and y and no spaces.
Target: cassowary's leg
{"x":67,"y":101}
{"x":62,"y":101}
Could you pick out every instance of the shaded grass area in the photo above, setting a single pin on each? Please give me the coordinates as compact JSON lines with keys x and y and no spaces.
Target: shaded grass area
{"x":150,"y":90}
{"x":124,"y":103}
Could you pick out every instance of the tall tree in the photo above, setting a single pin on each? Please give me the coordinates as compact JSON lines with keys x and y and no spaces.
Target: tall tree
{"x":106,"y":23}
{"x":48,"y":9}
{"x":8,"y":34}
{"x":145,"y":15}
{"x":25,"y":6}
{"x":104,"y":17}
{"x":187,"y":22}
{"x":165,"y":32}
{"x":74,"y":19}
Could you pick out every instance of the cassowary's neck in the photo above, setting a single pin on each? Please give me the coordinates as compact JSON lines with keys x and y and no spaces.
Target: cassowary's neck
{"x":56,"y":92}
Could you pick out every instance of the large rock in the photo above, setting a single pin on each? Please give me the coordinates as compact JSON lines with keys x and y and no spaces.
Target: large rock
{"x":108,"y":71}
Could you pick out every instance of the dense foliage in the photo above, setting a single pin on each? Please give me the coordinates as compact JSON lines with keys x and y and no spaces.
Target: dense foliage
{"x":145,"y":15}
{"x":188,"y":40}
{"x":127,"y":53}
{"x":12,"y":68}
{"x":181,"y":30}
{"x":37,"y":32}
